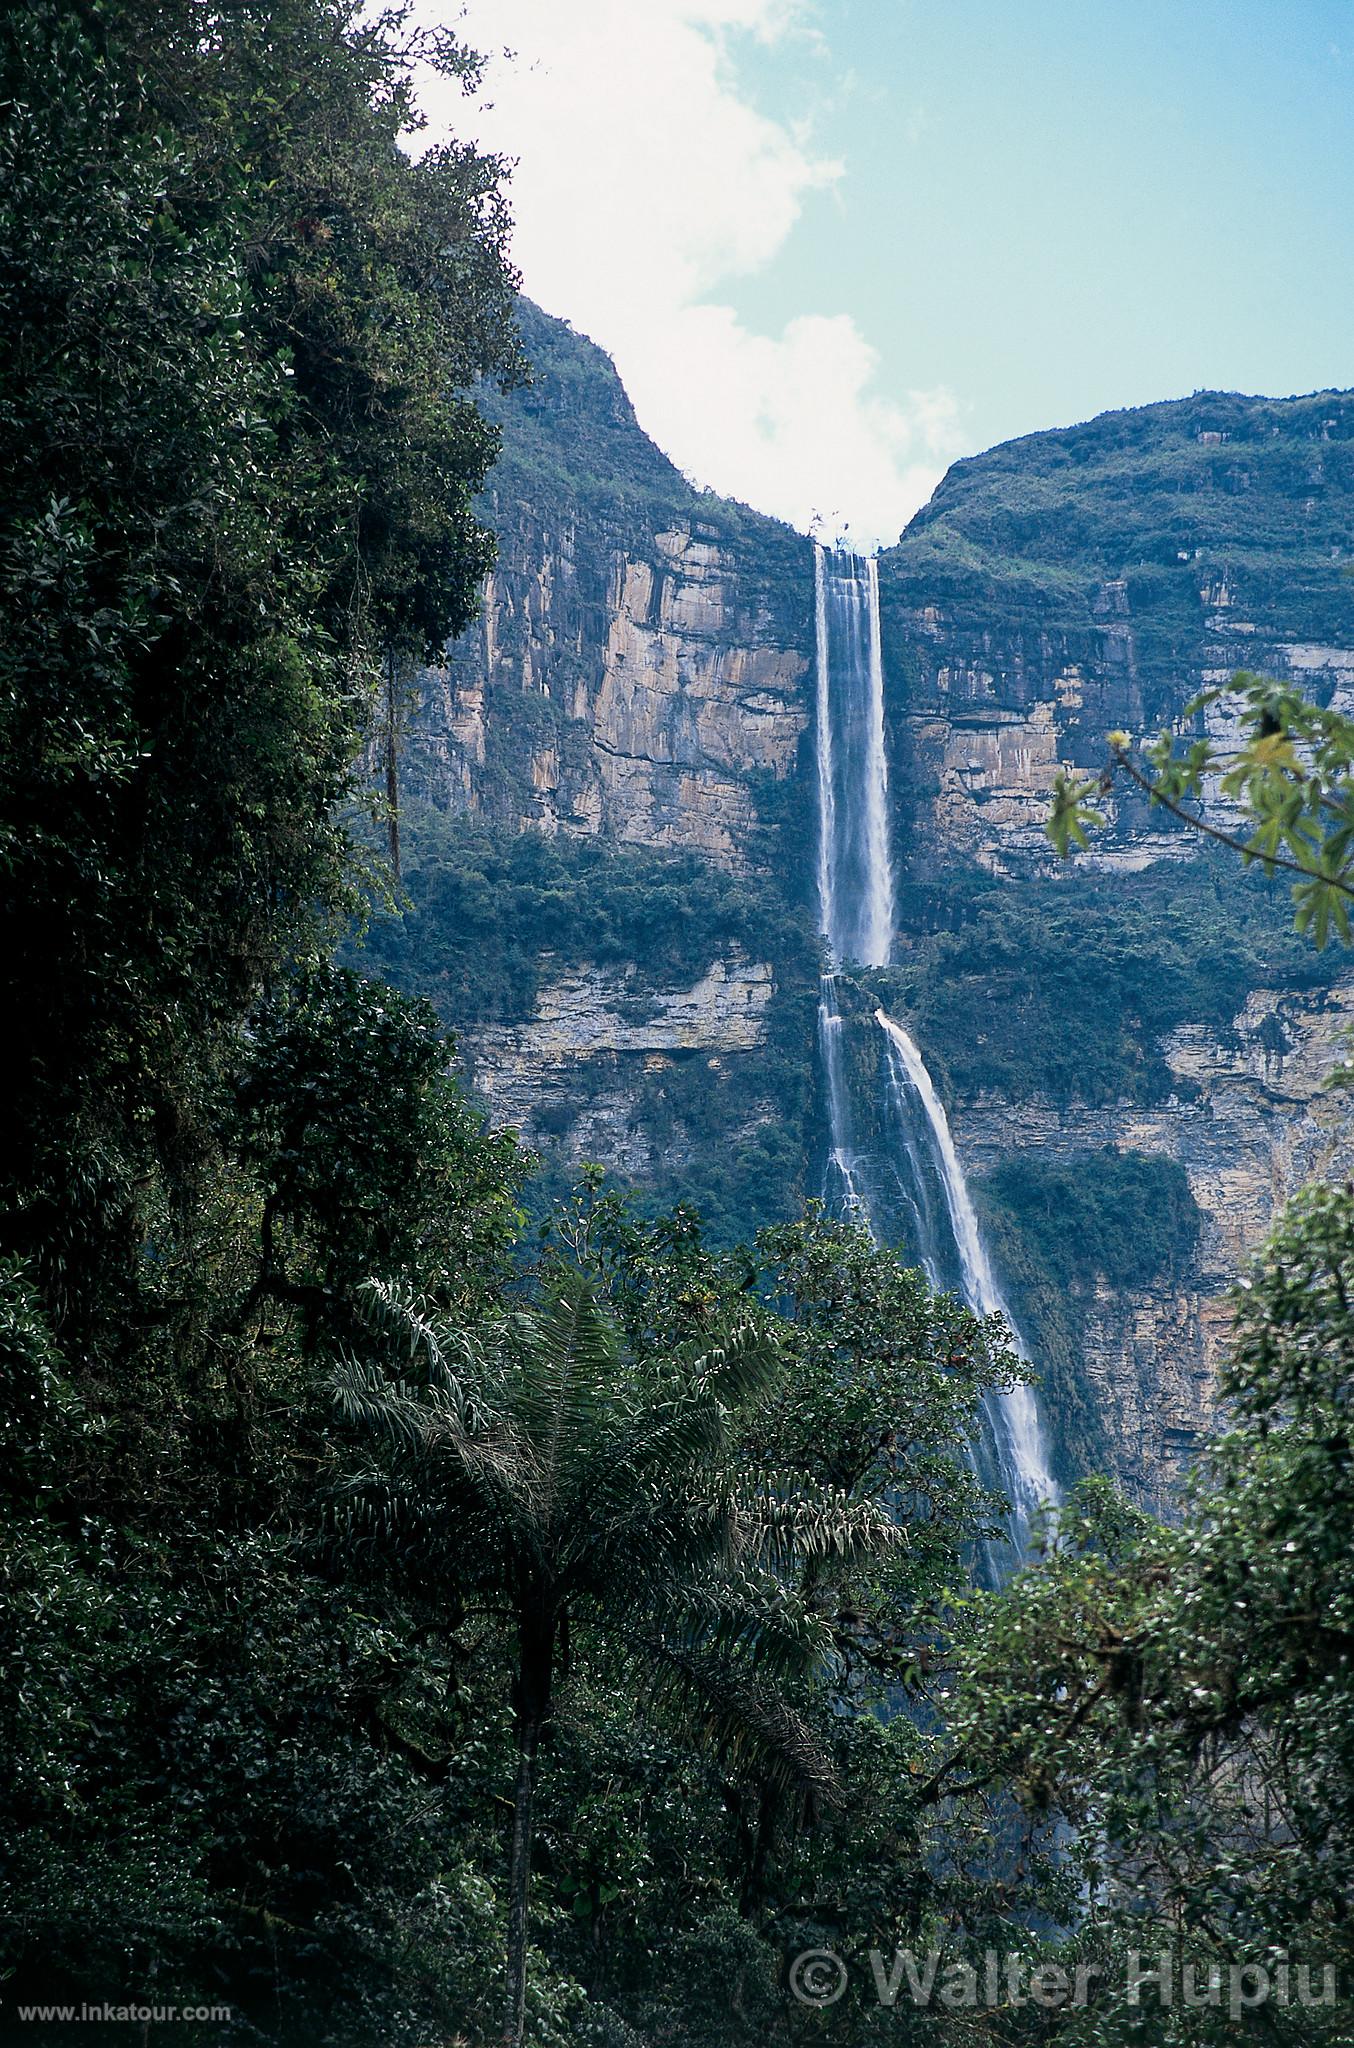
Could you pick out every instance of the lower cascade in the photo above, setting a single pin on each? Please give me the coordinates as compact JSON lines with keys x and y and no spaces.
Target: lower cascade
{"x":915,"y":1178}
{"x":1019,"y":1438}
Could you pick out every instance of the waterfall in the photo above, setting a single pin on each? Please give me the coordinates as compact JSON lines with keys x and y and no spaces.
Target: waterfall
{"x":1019,"y":1439}
{"x":921,"y":1178}
{"x":855,"y":874}
{"x":844,"y":1164}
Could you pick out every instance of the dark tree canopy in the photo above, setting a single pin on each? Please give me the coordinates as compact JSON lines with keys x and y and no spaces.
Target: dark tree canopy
{"x":239,"y":331}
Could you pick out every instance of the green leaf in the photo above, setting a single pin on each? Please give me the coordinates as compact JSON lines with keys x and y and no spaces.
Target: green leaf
{"x":1071,"y":818}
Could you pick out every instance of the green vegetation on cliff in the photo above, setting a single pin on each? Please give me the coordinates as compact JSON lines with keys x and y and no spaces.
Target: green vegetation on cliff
{"x":1060,"y":992}
{"x":491,"y":915}
{"x":1063,"y":986}
{"x":1253,"y":493}
{"x":491,"y":912}
{"x":571,"y":442}
{"x":1056,"y":1229}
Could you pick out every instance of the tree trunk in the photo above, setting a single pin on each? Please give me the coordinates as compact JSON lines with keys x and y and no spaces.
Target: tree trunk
{"x":535,"y":1672}
{"x":754,"y":1870}
{"x":519,"y":1885}
{"x":392,"y":766}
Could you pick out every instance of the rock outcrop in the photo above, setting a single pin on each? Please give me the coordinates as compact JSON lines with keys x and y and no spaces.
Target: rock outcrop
{"x":1078,"y":582}
{"x":578,"y":1070}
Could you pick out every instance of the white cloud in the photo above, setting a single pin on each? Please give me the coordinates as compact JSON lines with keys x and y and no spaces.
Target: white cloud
{"x":645,"y":180}
{"x":793,"y":424}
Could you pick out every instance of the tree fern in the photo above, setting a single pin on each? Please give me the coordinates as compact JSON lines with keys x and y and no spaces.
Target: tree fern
{"x":560,"y":1474}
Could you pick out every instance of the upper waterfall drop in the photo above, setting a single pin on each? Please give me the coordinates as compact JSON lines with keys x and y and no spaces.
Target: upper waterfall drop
{"x":855,"y":872}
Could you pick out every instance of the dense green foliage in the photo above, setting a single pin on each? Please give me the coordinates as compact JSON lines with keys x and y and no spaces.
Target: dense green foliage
{"x":690,"y":1882}
{"x":1066,"y":991}
{"x":1182,"y":1697}
{"x":491,"y":911}
{"x":1056,"y":1229}
{"x":236,"y":317}
{"x":234,"y":324}
{"x":1124,"y":1213}
{"x":695,"y":1510}
{"x":204,"y":1788}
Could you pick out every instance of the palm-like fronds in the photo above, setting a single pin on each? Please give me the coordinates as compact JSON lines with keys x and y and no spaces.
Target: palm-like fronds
{"x":740,"y":1713}
{"x":564,"y":1390}
{"x":687,"y":1434}
{"x":537,"y":1460}
{"x":753,"y":1618}
{"x":744,"y":1364}
{"x":787,"y":1526}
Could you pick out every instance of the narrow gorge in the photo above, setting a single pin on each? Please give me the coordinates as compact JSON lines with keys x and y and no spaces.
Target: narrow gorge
{"x":620,"y":766}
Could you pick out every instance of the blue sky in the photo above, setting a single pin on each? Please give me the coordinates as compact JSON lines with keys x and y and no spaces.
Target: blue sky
{"x":1059,"y":206}
{"x":833,"y":244}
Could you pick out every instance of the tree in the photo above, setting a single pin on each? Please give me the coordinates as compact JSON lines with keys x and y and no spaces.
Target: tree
{"x":242,"y":329}
{"x":367,"y":1154}
{"x":1285,"y":764}
{"x":1184,"y":1697}
{"x":728,"y":1871}
{"x":217,"y":1751}
{"x":545,"y":1470}
{"x":239,"y":329}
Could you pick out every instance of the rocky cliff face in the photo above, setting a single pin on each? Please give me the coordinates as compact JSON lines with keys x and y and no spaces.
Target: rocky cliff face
{"x":1072,"y":583}
{"x":1250,"y":1121}
{"x":641,"y":693}
{"x":641,"y":669}
{"x":640,"y":681}
{"x":589,"y":1066}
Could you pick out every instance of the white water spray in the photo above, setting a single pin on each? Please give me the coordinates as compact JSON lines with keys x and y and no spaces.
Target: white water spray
{"x":856,"y":904}
{"x":843,"y":1161}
